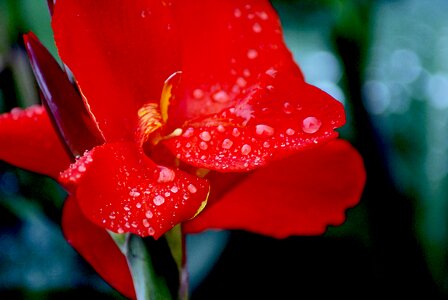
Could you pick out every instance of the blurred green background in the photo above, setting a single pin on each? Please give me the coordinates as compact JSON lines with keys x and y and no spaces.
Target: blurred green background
{"x":387,"y":61}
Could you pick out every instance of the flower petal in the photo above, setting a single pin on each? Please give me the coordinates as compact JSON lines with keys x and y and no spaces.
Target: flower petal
{"x":121,"y":189}
{"x":97,"y":247}
{"x":29,"y":141}
{"x":226,"y":45}
{"x":120,"y":53}
{"x":272,"y":120}
{"x":60,"y":98}
{"x":300,"y":195}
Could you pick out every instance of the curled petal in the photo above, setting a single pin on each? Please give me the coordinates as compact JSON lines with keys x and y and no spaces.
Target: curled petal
{"x":119,"y":188}
{"x":97,"y":247}
{"x":300,"y":195}
{"x":270,"y":121}
{"x":29,"y":141}
{"x":68,"y":112}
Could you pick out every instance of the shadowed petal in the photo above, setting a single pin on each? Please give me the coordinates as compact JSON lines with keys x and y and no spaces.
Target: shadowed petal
{"x":67,"y":108}
{"x":300,"y":195}
{"x":97,"y":247}
{"x":29,"y":141}
{"x":119,"y":188}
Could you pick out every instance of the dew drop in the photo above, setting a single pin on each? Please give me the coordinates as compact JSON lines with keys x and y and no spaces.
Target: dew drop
{"x":263,"y":15}
{"x":112,"y":216}
{"x":256,"y":28}
{"x":252,"y":54}
{"x":192,"y":189}
{"x":266,"y":144}
{"x":311,"y":125}
{"x":145,"y":223}
{"x":82,"y":168}
{"x":120,"y":230}
{"x":237,"y":13}
{"x":205,"y":136}
{"x":188,"y":133}
{"x":227,"y":144}
{"x":158,"y":200}
{"x":287,"y":108}
{"x":245,"y":150}
{"x":220,"y":128}
{"x":149,"y":214}
{"x":221,"y":97}
{"x":134,"y":193}
{"x":203,"y":146}
{"x":264,"y":130}
{"x":246,"y":72}
{"x":151,"y":231}
{"x":174,"y":189}
{"x":241,"y":82}
{"x":166,"y":175}
{"x":138,"y":205}
{"x":290,"y":131}
{"x":198,"y":94}
{"x":235,"y":132}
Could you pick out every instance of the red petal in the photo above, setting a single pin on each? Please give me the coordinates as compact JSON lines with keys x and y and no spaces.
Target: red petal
{"x":97,"y":247}
{"x":120,"y":53}
{"x":67,"y":108}
{"x":29,"y":141}
{"x":121,"y":189}
{"x":226,"y":45}
{"x":300,"y":195}
{"x":272,"y":120}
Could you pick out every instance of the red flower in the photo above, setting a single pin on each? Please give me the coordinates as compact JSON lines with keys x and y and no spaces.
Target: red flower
{"x":173,"y":88}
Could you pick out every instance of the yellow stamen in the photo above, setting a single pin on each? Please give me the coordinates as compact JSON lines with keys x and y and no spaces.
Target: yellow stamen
{"x":166,"y":93}
{"x":149,"y":120}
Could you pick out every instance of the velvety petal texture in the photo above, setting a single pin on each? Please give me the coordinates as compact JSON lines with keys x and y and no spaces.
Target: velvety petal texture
{"x":97,"y":247}
{"x":300,"y":195}
{"x":121,"y":189}
{"x":29,"y":141}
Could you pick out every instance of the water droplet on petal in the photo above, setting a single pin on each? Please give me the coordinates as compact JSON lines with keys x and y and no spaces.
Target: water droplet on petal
{"x":138,"y":205}
{"x":82,"y":168}
{"x":311,"y":125}
{"x":148,"y":214}
{"x":192,"y":189}
{"x":188,"y":133}
{"x":198,"y":94}
{"x":256,"y":28}
{"x":264,"y":130}
{"x":166,"y":175}
{"x":220,"y":128}
{"x":221,"y":97}
{"x":287,"y":108}
{"x":174,"y":189}
{"x":145,"y":223}
{"x":158,"y":200}
{"x":235,"y":132}
{"x":134,"y":193}
{"x":290,"y":131}
{"x":252,"y":54}
{"x":151,"y":231}
{"x":245,"y":150}
{"x":205,"y":136}
{"x":203,"y":145}
{"x":237,"y":13}
{"x":266,"y":144}
{"x":227,"y":144}
{"x":241,"y":82}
